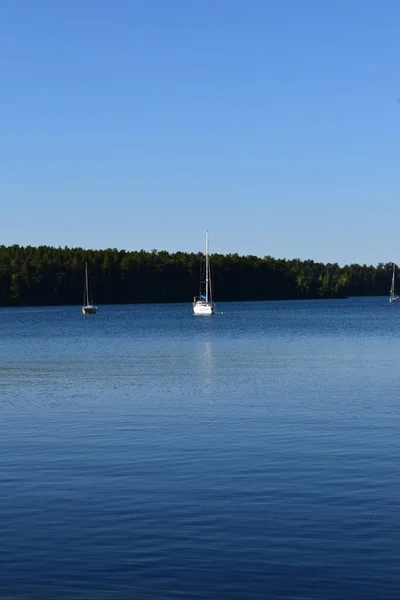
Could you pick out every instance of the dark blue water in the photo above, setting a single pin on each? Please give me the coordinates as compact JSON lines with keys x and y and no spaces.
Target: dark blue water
{"x":146,"y":453}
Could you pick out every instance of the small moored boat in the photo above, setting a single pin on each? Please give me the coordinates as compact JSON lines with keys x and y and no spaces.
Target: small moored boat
{"x":88,"y":307}
{"x":203,"y":303}
{"x":392,"y":296}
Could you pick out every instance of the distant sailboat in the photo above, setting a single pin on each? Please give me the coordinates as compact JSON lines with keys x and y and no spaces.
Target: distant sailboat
{"x":393,"y":297}
{"x":203,"y":303}
{"x":88,"y":308}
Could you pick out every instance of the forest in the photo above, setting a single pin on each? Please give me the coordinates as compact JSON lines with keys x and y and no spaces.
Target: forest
{"x":39,"y":276}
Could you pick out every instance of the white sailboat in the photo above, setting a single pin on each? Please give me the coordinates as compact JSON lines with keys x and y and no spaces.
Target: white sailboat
{"x":203,"y":303}
{"x":88,"y":308}
{"x":392,"y":296}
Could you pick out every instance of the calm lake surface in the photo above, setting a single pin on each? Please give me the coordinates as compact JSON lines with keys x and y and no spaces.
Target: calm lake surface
{"x":146,"y":453}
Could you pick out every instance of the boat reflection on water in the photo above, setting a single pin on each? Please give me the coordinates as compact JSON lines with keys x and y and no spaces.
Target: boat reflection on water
{"x":207,"y":364}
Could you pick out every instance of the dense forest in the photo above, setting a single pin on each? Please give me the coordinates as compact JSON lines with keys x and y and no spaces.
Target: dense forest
{"x":54,"y":276}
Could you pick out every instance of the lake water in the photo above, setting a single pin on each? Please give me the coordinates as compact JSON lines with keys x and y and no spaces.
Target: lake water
{"x":149,"y":454}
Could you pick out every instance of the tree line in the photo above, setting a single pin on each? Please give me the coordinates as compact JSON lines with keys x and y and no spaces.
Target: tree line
{"x":34,"y":276}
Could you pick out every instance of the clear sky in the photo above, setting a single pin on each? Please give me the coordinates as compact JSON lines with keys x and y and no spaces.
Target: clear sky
{"x":140,"y":123}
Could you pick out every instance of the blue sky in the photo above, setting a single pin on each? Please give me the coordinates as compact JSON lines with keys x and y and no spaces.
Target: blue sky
{"x":139,"y":124}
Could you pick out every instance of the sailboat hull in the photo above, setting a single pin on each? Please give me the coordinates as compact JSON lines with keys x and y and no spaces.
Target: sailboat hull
{"x":89,"y":310}
{"x":203,"y":308}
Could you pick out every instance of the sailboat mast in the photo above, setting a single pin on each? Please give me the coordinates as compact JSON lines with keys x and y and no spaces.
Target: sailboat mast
{"x":392,"y":290}
{"x":207,"y":267}
{"x":86,"y":285}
